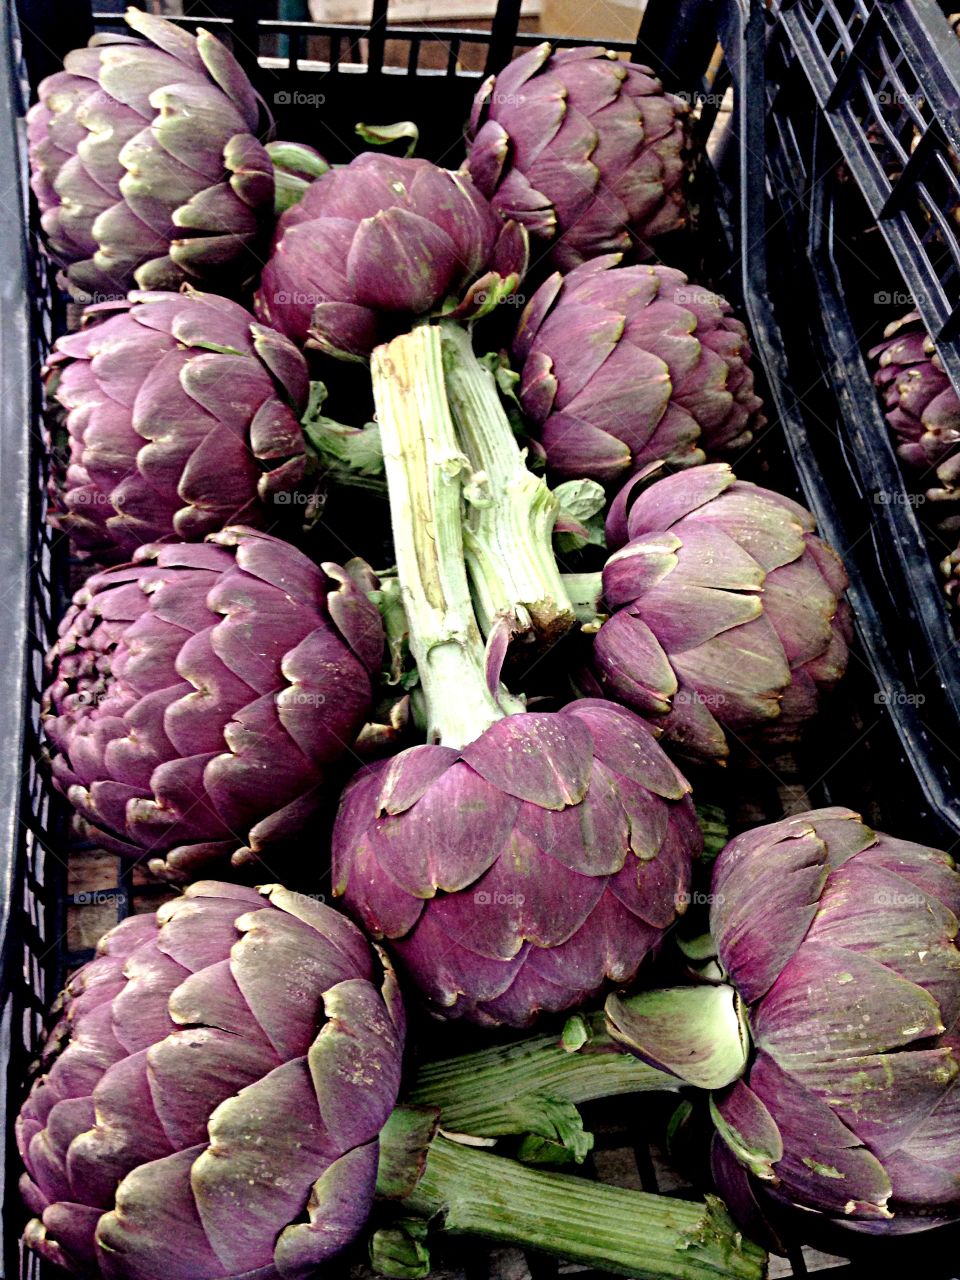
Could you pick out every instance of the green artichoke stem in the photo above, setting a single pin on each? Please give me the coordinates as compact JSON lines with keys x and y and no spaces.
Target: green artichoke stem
{"x":425,"y":474}
{"x":585,"y":592}
{"x":468,"y":1191}
{"x":508,"y":535}
{"x":533,"y":1086}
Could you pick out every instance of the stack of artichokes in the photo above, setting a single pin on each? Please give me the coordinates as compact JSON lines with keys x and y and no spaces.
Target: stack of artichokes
{"x":478,"y":748}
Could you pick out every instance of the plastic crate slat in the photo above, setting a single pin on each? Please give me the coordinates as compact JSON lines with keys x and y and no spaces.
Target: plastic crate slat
{"x":858,"y":57}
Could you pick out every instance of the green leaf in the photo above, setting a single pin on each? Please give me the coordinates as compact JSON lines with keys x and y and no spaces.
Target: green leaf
{"x":677,"y":1123}
{"x":349,"y":455}
{"x":576,"y":1033}
{"x":697,"y":1033}
{"x":381,"y":135}
{"x":582,"y":505}
{"x":700,"y":948}
{"x":295,"y":167}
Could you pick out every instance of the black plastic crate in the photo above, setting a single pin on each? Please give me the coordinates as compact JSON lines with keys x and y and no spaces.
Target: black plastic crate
{"x":855,"y":131}
{"x":868,"y":755}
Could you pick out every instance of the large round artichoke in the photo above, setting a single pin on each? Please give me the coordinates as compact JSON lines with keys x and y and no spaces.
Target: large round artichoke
{"x":146,"y":162}
{"x":212,"y":1095}
{"x":923,"y":409}
{"x":581,"y":148}
{"x":727,"y":611}
{"x":624,"y":366}
{"x":372,"y":246}
{"x":183,"y":417}
{"x":199,"y":695}
{"x":842,"y":947}
{"x":518,"y":873}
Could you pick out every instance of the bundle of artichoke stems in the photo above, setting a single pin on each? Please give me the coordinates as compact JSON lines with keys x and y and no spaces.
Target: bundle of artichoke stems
{"x":222,"y":1093}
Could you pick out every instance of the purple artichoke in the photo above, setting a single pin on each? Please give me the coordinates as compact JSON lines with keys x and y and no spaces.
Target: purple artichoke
{"x":582,"y":149}
{"x":624,"y":366}
{"x":372,"y":246}
{"x":518,"y":873}
{"x":727,"y":617}
{"x":923,"y":409}
{"x":183,"y":417}
{"x":213,"y":1094}
{"x":842,"y":946}
{"x":146,"y":163}
{"x":217,"y":1101}
{"x":199,"y":696}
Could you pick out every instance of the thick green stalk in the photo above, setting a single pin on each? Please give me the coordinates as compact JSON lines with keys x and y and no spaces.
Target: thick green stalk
{"x":625,"y":1232}
{"x":531,"y":1087}
{"x":425,"y":472}
{"x":508,"y":536}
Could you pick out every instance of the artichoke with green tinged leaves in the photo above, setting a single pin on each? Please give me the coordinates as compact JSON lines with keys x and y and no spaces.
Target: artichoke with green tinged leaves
{"x":837,"y":1083}
{"x":211,"y":1099}
{"x":581,"y":148}
{"x":922,"y":409}
{"x":183,"y":415}
{"x":621,"y":367}
{"x":147,"y":163}
{"x":217,"y":1101}
{"x":199,"y":697}
{"x":379,"y":243}
{"x":727,"y":618}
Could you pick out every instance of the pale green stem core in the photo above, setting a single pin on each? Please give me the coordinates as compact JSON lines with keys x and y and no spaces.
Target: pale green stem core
{"x":510,"y":512}
{"x":515,"y":1088}
{"x":585,"y":592}
{"x":625,"y":1232}
{"x":425,"y":469}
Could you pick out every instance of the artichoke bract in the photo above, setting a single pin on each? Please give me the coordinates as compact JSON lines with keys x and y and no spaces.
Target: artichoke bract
{"x":199,"y":696}
{"x":518,"y":859}
{"x":841,"y":947}
{"x":727,"y":611}
{"x":372,"y":246}
{"x":923,"y":409}
{"x":147,"y":165}
{"x":583,"y":149}
{"x":212,"y":1096}
{"x":183,"y":416}
{"x":623,"y":366}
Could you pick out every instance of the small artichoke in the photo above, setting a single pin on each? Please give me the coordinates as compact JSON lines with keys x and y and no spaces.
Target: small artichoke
{"x":620,"y":367}
{"x":923,"y":409}
{"x":372,"y":246}
{"x":516,"y":874}
{"x":198,"y":697}
{"x":183,"y":417}
{"x":843,"y":946}
{"x":212,"y":1096}
{"x":727,"y":611}
{"x":582,"y":149}
{"x":146,"y":163}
